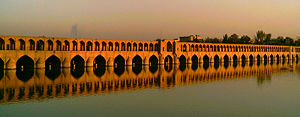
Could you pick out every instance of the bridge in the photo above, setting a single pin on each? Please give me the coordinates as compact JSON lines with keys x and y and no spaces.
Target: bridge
{"x":22,"y":52}
{"x":40,"y":86}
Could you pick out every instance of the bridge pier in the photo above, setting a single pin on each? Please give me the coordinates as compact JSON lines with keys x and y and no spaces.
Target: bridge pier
{"x":10,"y":64}
{"x":129,"y":61}
{"x":110,"y":62}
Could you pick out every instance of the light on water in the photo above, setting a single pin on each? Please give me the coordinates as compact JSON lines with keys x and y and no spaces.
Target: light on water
{"x":228,"y":89}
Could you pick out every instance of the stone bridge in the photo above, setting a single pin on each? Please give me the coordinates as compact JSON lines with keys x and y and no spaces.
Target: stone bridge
{"x":21,"y":52}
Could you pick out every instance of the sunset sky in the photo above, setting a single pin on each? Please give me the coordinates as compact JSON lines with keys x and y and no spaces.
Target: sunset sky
{"x":149,"y":20}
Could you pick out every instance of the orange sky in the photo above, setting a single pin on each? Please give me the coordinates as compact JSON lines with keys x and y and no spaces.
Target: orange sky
{"x":148,"y":20}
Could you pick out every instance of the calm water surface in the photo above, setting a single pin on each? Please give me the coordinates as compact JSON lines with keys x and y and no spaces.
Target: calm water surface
{"x":192,"y":90}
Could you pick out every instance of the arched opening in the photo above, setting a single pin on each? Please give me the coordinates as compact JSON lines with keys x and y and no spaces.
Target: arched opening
{"x":283,"y":59}
{"x":258,"y":60}
{"x":82,"y":46}
{"x":77,"y":66}
{"x":226,"y":61}
{"x":22,"y":44}
{"x":137,"y":62}
{"x":140,"y":47}
{"x":288,"y":58}
{"x":169,"y":47}
{"x":271,"y":59}
{"x":182,"y":61}
{"x":119,"y":65}
{"x":40,"y":45}
{"x":2,"y":44}
{"x":97,"y":46}
{"x":103,"y":46}
{"x":205,"y":62}
{"x":216,"y":61}
{"x":58,"y":45}
{"x":110,"y":46}
{"x":52,"y":67}
{"x":243,"y":60}
{"x":265,"y":59}
{"x":134,"y":47}
{"x":25,"y":68}
{"x":89,"y":46}
{"x":297,"y":58}
{"x":31,"y":45}
{"x":12,"y":44}
{"x":122,"y":46}
{"x":50,"y":45}
{"x":168,"y":63}
{"x":67,"y":46}
{"x":195,"y":62}
{"x":128,"y":46}
{"x":278,"y":59}
{"x":151,"y":48}
{"x":99,"y":65}
{"x":153,"y":64}
{"x":184,"y":48}
{"x":146,"y":47}
{"x":117,"y":46}
{"x":251,"y":59}
{"x":74,"y":45}
{"x":235,"y":61}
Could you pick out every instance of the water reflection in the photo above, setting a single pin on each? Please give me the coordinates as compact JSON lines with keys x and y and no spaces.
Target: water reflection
{"x":39,"y":83}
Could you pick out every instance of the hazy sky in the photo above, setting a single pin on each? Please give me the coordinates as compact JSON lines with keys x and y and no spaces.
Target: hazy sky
{"x":149,"y":19}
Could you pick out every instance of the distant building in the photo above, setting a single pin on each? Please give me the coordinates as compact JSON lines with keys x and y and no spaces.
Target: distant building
{"x":74,"y":31}
{"x":190,"y":38}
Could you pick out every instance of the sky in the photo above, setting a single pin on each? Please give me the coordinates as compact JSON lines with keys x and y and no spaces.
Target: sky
{"x":149,"y":19}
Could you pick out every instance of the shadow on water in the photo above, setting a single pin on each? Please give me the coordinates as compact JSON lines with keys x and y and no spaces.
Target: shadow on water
{"x":99,"y":71}
{"x":195,"y":66}
{"x":182,"y":66}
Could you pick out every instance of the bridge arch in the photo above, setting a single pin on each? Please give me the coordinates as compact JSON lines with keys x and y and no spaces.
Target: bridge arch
{"x":25,"y":68}
{"x":146,"y":47}
{"x":97,"y":46}
{"x":168,"y":63}
{"x":58,"y":45}
{"x":277,"y":59}
{"x":117,"y":46}
{"x":153,"y":64}
{"x":31,"y":45}
{"x":216,"y":61}
{"x":140,"y":47}
{"x":40,"y":45}
{"x":156,"y":47}
{"x":77,"y":66}
{"x":283,"y":59}
{"x":182,"y":59}
{"x":110,"y":46}
{"x":151,"y":48}
{"x":99,"y":66}
{"x":103,"y":46}
{"x":195,"y":59}
{"x":226,"y":61}
{"x":129,"y":46}
{"x":74,"y":46}
{"x":82,"y":46}
{"x":137,"y":62}
{"x":89,"y":46}
{"x":67,"y":46}
{"x":119,"y":65}
{"x":1,"y":64}
{"x":134,"y":47}
{"x":50,"y":45}
{"x":123,"y":46}
{"x":2,"y":44}
{"x":22,"y":44}
{"x":169,"y":47}
{"x":12,"y":44}
{"x":52,"y":67}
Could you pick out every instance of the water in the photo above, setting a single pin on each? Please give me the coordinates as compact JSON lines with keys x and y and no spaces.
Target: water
{"x":179,"y":90}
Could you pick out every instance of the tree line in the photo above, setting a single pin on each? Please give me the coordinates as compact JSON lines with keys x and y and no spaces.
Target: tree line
{"x":260,"y":38}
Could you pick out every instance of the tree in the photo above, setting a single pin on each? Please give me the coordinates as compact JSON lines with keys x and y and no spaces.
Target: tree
{"x":245,"y":39}
{"x":268,"y":38}
{"x":225,"y":39}
{"x":234,"y":38}
{"x":260,"y":37}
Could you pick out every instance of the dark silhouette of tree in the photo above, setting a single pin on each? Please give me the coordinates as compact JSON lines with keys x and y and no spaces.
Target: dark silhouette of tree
{"x":234,"y":38}
{"x":225,"y":39}
{"x":260,"y":37}
{"x":245,"y":39}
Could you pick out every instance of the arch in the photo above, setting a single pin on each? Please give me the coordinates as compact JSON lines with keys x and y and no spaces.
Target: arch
{"x":1,"y":69}
{"x":99,"y":66}
{"x":137,"y":62}
{"x":119,"y":65}
{"x":134,"y":47}
{"x":117,"y":46}
{"x":110,"y":46}
{"x":184,"y":48}
{"x":251,"y":60}
{"x":74,"y":46}
{"x":146,"y":47}
{"x":216,"y":61}
{"x":2,"y":44}
{"x":82,"y":46}
{"x":103,"y":46}
{"x":25,"y":66}
{"x":271,"y":58}
{"x":22,"y":44}
{"x":77,"y":66}
{"x":206,"y":62}
{"x":297,"y":58}
{"x":153,"y":64}
{"x":123,"y":46}
{"x":258,"y":59}
{"x":50,"y":45}
{"x":12,"y":44}
{"x":169,"y":47}
{"x":140,"y":47}
{"x":97,"y":46}
{"x":58,"y":45}
{"x":128,"y":46}
{"x":67,"y":46}
{"x":235,"y":61}
{"x":89,"y":46}
{"x":277,"y":59}
{"x":195,"y":60}
{"x":31,"y":45}
{"x":151,"y":48}
{"x":52,"y":67}
{"x":40,"y":45}
{"x":182,"y":59}
{"x":243,"y":60}
{"x":226,"y":61}
{"x":168,"y":63}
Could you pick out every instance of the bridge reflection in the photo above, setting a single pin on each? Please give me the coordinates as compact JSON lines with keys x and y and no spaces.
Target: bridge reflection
{"x":42,"y":84}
